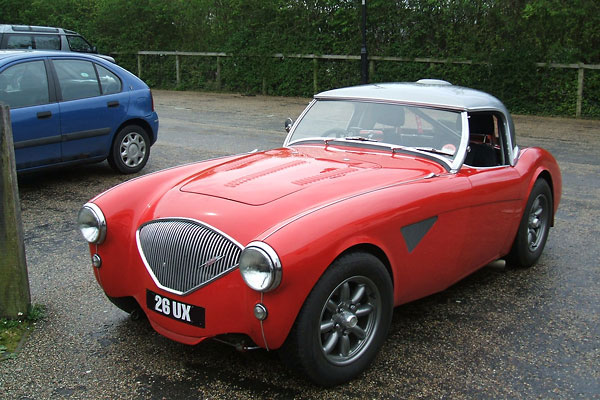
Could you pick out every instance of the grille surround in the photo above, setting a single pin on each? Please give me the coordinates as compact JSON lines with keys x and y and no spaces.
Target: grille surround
{"x":182,"y":254}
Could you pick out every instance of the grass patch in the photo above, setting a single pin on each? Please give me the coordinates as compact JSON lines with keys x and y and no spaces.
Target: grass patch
{"x":13,"y":330}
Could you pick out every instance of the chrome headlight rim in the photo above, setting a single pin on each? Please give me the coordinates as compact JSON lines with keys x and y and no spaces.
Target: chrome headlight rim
{"x":99,"y":220}
{"x":275,"y":271}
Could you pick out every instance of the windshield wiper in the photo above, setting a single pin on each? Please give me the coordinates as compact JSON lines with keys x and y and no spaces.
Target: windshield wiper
{"x":360,"y":139}
{"x":434,"y":151}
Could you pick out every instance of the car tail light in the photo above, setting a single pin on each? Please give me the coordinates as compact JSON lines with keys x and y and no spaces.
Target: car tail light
{"x":152,"y":100}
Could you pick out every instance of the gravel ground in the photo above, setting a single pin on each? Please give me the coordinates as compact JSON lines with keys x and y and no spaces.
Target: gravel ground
{"x":497,"y":334}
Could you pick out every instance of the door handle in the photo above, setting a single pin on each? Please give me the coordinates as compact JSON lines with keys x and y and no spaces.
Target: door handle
{"x":113,"y":103}
{"x":44,"y":114}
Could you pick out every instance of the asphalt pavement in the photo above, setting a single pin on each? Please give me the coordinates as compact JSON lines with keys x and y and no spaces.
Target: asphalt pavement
{"x":514,"y":334}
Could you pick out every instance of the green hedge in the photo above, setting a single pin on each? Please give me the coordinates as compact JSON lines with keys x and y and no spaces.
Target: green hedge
{"x":507,"y":38}
{"x":523,"y":89}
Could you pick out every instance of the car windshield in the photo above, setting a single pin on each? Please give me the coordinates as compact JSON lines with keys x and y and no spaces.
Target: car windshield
{"x":424,"y":129}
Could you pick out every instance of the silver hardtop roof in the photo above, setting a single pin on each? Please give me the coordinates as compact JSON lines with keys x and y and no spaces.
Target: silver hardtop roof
{"x":429,"y":93}
{"x":423,"y":94}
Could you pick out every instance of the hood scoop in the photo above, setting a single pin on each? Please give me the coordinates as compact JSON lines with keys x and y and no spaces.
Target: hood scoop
{"x":260,"y":178}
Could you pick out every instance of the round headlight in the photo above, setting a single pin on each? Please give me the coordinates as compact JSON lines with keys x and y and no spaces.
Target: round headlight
{"x":260,"y":267}
{"x":92,"y":224}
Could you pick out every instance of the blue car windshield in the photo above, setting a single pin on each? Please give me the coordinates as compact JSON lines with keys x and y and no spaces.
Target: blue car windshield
{"x":394,"y":125}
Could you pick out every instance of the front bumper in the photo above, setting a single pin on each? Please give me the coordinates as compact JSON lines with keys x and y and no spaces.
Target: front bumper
{"x":227,"y":302}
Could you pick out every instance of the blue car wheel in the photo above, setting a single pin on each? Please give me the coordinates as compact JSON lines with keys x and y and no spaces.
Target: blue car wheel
{"x":130,"y":150}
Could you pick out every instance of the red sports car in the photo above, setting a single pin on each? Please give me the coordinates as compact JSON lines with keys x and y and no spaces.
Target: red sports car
{"x":380,"y":195}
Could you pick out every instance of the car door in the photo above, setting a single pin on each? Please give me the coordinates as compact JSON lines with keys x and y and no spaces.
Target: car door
{"x":496,"y":189}
{"x":495,"y":211}
{"x":25,"y":87}
{"x":92,"y":106}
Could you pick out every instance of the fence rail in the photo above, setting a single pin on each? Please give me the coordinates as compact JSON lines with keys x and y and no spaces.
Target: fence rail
{"x":581,"y":67}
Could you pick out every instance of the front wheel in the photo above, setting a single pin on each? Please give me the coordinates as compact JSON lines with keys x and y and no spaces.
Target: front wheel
{"x":130,"y":150}
{"x":533,"y":229}
{"x":343,"y":322}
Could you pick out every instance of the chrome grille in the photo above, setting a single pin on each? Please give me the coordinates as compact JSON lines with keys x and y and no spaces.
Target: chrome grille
{"x":183,"y":255}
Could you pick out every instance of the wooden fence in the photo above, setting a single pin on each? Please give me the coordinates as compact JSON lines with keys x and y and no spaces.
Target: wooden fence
{"x":372,"y":60}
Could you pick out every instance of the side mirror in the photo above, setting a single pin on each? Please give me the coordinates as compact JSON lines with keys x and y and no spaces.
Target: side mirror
{"x":288,"y":124}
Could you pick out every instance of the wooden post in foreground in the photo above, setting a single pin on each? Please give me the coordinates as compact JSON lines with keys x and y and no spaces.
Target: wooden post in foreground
{"x":15,"y":298}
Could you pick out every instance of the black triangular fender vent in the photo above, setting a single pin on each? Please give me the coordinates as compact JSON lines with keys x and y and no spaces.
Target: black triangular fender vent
{"x":413,"y":233}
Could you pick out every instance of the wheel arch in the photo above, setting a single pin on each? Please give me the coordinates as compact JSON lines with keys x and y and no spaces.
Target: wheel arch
{"x":137,"y":122}
{"x":545,"y":175}
{"x":373,"y":250}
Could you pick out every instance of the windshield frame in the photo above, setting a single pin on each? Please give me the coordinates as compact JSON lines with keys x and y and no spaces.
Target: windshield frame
{"x":451,"y":164}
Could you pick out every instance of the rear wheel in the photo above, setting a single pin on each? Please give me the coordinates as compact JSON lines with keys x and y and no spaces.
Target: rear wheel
{"x":130,"y":150}
{"x":343,"y":322}
{"x":534,"y":227}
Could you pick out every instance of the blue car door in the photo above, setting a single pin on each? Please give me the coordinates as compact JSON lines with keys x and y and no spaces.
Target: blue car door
{"x":25,"y":87}
{"x":92,"y":106}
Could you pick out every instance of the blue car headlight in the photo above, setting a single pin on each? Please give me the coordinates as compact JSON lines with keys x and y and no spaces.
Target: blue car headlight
{"x":260,"y":267}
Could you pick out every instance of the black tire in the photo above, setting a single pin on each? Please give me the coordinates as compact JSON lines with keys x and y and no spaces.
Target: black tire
{"x":130,"y":150}
{"x":534,"y":227}
{"x":343,"y":322}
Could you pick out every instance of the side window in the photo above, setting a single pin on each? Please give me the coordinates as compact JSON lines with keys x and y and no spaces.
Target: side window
{"x":486,"y":140}
{"x":77,"y":79}
{"x":109,"y":82}
{"x":77,"y":43}
{"x":47,"y":42}
{"x":19,"y":42}
{"x":24,"y":85}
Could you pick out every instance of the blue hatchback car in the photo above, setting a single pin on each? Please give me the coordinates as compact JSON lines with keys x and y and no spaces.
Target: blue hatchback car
{"x":73,"y":108}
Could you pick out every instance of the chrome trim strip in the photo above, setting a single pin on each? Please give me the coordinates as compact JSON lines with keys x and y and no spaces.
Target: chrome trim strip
{"x":291,"y":132}
{"x":461,"y":152}
{"x":283,"y":224}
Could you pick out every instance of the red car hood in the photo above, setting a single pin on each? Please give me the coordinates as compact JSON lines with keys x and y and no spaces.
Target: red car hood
{"x":248,"y":195}
{"x":260,"y":178}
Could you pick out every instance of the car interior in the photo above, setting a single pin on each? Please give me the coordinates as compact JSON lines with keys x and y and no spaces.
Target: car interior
{"x":24,"y":85}
{"x":410,"y":126}
{"x":485,"y":141}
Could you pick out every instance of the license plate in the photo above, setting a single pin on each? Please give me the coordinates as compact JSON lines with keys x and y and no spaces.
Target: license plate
{"x":188,"y":313}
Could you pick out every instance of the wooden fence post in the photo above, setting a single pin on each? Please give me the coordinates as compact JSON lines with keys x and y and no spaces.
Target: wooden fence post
{"x":315,"y":75}
{"x":15,"y":298}
{"x":579,"y":92}
{"x":139,"y":62}
{"x":218,"y":77}
{"x":177,"y":71}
